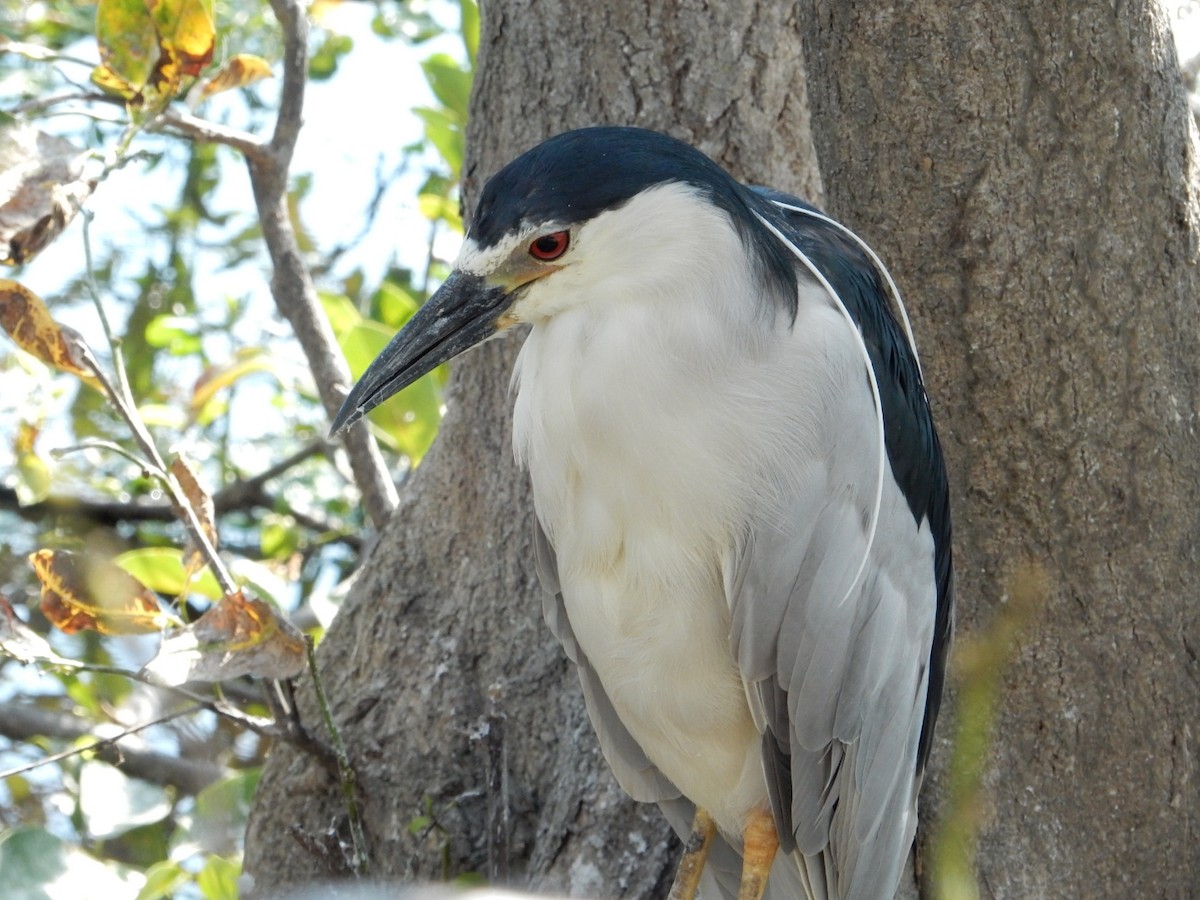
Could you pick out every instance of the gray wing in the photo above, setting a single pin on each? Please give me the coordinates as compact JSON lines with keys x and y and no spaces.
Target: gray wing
{"x":839,"y":628}
{"x":837,"y":686}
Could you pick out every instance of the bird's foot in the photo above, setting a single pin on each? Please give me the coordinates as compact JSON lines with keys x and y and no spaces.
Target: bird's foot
{"x":695,"y":852}
{"x":759,"y":843}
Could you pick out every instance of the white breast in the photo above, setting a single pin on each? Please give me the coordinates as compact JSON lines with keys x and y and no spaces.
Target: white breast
{"x":650,"y":431}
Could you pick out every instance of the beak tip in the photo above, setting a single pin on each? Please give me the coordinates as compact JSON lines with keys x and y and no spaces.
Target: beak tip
{"x":346,"y":417}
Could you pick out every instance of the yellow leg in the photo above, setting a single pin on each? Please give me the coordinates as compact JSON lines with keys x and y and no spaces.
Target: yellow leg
{"x":759,"y":843}
{"x":695,"y":852}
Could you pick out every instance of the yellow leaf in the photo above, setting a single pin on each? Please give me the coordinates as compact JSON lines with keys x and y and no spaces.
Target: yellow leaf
{"x":237,"y":72}
{"x":320,"y":10}
{"x":25,"y":317}
{"x":34,"y":478}
{"x":90,"y":592}
{"x":239,"y":636}
{"x":185,"y":32}
{"x":147,"y":47}
{"x":216,"y":378}
{"x":27,"y":436}
{"x":128,"y":44}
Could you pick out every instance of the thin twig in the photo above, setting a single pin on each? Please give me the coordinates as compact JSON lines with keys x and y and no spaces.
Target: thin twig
{"x":121,"y":398}
{"x":112,"y":447}
{"x":256,"y":724}
{"x":25,"y":721}
{"x":346,"y":774}
{"x":38,"y":53}
{"x":37,"y":104}
{"x":114,"y":342}
{"x":95,"y":745}
{"x":249,"y":491}
{"x":291,"y":283}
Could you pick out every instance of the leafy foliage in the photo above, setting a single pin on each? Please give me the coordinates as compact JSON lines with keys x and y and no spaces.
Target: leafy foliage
{"x":152,"y":574}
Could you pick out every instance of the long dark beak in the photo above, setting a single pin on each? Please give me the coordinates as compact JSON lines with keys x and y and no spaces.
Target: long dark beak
{"x":461,"y":314}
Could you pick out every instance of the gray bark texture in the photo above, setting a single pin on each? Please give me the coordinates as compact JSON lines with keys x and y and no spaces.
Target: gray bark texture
{"x":1027,"y":171}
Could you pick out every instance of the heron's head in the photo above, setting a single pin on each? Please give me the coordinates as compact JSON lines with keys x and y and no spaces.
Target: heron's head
{"x":587,"y":214}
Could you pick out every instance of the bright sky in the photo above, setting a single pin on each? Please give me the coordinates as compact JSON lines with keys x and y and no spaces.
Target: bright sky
{"x":355,"y":124}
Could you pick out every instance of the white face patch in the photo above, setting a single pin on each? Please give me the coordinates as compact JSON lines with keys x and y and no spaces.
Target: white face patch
{"x":476,"y":260}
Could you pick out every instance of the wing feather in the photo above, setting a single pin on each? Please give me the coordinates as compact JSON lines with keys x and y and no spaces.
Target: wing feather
{"x":841,"y":606}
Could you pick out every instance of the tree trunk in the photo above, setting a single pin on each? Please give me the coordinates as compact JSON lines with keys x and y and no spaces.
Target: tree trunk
{"x":455,"y":701}
{"x":1028,"y":171}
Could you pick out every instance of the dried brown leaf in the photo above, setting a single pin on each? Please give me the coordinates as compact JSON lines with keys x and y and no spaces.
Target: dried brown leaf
{"x":202,"y":504}
{"x":83,"y":591}
{"x":239,"y":636}
{"x":42,"y":187}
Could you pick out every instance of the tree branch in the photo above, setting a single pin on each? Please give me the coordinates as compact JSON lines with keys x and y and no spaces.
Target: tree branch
{"x":23,"y":721}
{"x":248,"y":492}
{"x":244,"y":494}
{"x":291,"y":284}
{"x":198,"y":129}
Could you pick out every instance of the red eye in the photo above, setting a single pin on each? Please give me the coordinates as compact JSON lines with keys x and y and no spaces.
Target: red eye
{"x":550,"y":246}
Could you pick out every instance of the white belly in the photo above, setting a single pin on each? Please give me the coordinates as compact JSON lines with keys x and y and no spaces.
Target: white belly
{"x":661,"y":651}
{"x":643,"y":478}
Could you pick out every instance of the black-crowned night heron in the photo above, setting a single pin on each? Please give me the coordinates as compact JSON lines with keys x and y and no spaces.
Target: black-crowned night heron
{"x":743,"y":522}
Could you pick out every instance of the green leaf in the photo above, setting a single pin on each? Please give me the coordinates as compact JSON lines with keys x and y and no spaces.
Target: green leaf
{"x":32,"y":861}
{"x":407,"y":422}
{"x":218,"y":879}
{"x":440,"y":209}
{"x":362,"y":342}
{"x":161,"y":569}
{"x":128,"y":44}
{"x":445,"y":134}
{"x":469,"y":21}
{"x":163,"y":879}
{"x":33,"y":479}
{"x":396,"y":305}
{"x":450,"y":83}
{"x":279,"y":537}
{"x":141,"y":41}
{"x":340,"y":311}
{"x":112,"y":803}
{"x":324,"y":60}
{"x":178,"y":335}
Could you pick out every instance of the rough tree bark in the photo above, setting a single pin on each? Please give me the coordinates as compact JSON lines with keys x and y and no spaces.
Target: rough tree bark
{"x":1026,"y":168}
{"x":451,"y":692}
